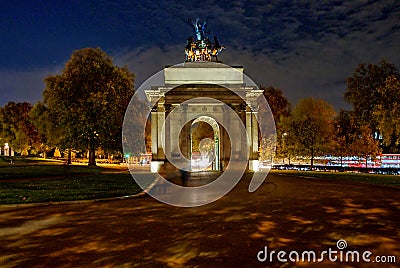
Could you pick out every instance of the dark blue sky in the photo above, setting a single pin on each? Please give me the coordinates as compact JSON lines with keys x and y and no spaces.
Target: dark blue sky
{"x":306,"y":48}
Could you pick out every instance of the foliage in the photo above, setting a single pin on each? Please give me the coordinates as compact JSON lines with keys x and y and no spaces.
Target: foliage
{"x":286,"y":146}
{"x":278,"y":103}
{"x":137,"y":128}
{"x":364,"y":145}
{"x":280,"y":108}
{"x":387,"y":114}
{"x":353,"y":138}
{"x":345,"y":128}
{"x":311,"y":127}
{"x":267,"y":152}
{"x":87,"y":101}
{"x":365,"y":91}
{"x":48,"y":134}
{"x":16,"y":127}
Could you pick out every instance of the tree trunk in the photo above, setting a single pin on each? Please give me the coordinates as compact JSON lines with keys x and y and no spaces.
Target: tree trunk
{"x":69,"y":161}
{"x":92,"y":157}
{"x":312,"y":159}
{"x":312,"y":162}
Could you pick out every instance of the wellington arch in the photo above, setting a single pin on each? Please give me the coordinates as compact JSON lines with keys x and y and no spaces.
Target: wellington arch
{"x":191,"y":89}
{"x":200,"y":90}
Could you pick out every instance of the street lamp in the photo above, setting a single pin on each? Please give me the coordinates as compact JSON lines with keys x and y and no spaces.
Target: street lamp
{"x":283,"y":146}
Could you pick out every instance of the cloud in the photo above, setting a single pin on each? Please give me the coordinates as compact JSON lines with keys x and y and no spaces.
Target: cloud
{"x":23,"y":85}
{"x":146,"y":61}
{"x":298,"y":77}
{"x":306,"y":48}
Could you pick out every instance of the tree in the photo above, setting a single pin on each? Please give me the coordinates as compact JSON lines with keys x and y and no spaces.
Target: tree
{"x":363,"y":91}
{"x":136,"y":117}
{"x":365,"y":145}
{"x":267,"y":150}
{"x":387,"y":114}
{"x":345,"y":128}
{"x":278,"y":103}
{"x":87,"y":101}
{"x":280,"y":108}
{"x":47,"y":133}
{"x":311,"y":128}
{"x":16,"y":127}
{"x":353,"y":138}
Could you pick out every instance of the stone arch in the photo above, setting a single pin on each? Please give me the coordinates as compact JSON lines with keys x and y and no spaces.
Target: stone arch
{"x":215,"y":163}
{"x":185,"y":82}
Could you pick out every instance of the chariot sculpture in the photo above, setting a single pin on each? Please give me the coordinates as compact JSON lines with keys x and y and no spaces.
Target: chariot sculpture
{"x":201,"y":48}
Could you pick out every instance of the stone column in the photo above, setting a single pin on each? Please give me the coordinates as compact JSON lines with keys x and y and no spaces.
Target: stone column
{"x":249,"y":130}
{"x":184,"y":139}
{"x":154,"y":133}
{"x":254,"y":124}
{"x":241,"y":111}
{"x":252,"y":96}
{"x":157,"y":122}
{"x":172,"y":126}
{"x":167,"y":131}
{"x":225,"y":143}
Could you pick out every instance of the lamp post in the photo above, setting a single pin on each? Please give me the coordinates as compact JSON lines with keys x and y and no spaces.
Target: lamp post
{"x":284,"y":146}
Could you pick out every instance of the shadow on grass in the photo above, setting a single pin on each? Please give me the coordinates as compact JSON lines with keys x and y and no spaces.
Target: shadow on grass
{"x":55,"y":182}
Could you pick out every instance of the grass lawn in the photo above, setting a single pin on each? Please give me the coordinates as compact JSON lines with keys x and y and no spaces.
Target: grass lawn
{"x":390,"y":180}
{"x":21,"y":167}
{"x":16,"y":160}
{"x":34,"y":180}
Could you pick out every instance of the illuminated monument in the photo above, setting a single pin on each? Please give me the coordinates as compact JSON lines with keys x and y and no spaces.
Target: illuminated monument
{"x":202,"y":90}
{"x":201,"y":48}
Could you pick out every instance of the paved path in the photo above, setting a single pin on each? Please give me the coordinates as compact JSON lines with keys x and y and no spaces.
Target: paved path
{"x":286,"y":213}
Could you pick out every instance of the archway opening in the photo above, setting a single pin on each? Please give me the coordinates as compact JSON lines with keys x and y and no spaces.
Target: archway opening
{"x":204,"y":144}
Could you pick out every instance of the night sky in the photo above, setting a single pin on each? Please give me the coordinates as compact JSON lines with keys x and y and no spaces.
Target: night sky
{"x":307,"y":49}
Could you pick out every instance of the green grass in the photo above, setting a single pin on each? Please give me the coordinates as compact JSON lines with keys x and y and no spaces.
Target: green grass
{"x":68,"y":188}
{"x":390,"y":180}
{"x":18,"y":160}
{"x":43,"y":171}
{"x":35,"y":180}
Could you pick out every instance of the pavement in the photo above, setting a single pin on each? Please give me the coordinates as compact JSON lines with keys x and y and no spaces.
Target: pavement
{"x":286,"y":213}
